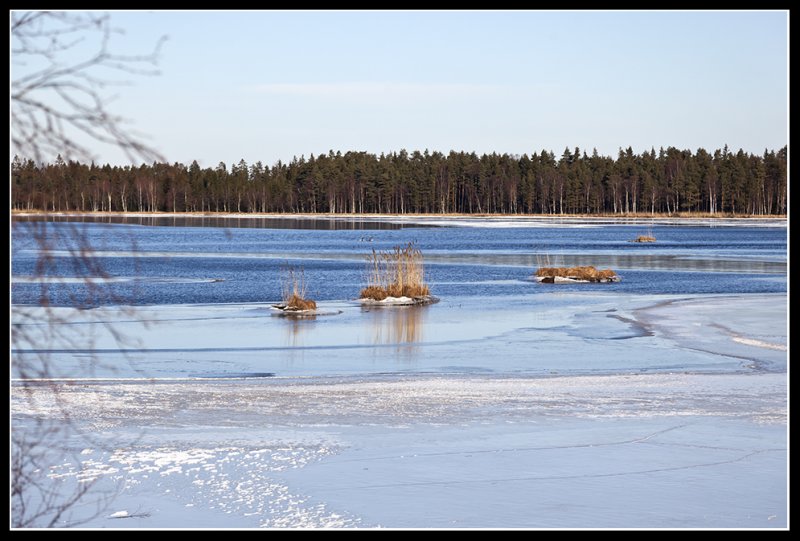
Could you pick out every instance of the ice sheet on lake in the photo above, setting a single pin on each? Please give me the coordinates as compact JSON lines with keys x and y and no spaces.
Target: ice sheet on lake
{"x":555,"y":335}
{"x":723,"y":325}
{"x":382,"y":400}
{"x":583,"y":410}
{"x":94,"y":281}
{"x":658,"y":450}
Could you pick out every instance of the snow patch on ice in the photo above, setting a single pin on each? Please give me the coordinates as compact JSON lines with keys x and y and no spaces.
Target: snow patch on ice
{"x":758,"y":343}
{"x":401,"y":301}
{"x":235,"y":481}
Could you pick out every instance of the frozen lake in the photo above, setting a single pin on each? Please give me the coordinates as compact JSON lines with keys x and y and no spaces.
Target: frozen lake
{"x":658,"y":401}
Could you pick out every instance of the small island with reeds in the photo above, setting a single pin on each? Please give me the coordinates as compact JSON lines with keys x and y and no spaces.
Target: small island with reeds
{"x":567,"y":275}
{"x":294,"y":294}
{"x":644,"y":238}
{"x":396,"y":277}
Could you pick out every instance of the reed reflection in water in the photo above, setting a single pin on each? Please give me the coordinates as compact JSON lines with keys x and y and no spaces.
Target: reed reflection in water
{"x":296,"y":328}
{"x":396,"y":325}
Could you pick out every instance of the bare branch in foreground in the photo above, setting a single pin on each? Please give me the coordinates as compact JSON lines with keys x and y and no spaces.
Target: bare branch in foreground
{"x":58,"y":95}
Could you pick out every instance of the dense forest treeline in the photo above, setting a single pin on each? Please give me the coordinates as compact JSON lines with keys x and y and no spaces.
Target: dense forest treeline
{"x":667,"y":181}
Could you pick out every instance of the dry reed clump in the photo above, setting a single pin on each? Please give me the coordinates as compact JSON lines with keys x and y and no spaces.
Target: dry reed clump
{"x":398,"y":272}
{"x":293,"y":290}
{"x":295,"y":302}
{"x":376,"y":293}
{"x":645,"y":238}
{"x":588,"y":273}
{"x":607,"y":274}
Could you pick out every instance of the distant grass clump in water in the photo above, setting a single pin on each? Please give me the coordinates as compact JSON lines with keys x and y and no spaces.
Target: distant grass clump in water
{"x":397,"y":272}
{"x":587,"y":274}
{"x":645,"y":238}
{"x":293,"y":291}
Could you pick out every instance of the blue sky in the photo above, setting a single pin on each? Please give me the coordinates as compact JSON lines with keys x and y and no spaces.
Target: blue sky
{"x":272,"y":85}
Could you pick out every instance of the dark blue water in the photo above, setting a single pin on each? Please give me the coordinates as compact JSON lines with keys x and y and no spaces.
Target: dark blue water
{"x":179,"y":264}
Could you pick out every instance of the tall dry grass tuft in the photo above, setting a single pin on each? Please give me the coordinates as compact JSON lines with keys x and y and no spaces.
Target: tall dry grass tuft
{"x":294,"y":290}
{"x":398,"y":272}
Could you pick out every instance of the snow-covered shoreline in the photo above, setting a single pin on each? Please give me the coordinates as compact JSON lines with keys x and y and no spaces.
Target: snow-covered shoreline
{"x":460,"y":220}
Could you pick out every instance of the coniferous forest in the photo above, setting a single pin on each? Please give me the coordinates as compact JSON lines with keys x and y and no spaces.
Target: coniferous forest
{"x":666,"y":181}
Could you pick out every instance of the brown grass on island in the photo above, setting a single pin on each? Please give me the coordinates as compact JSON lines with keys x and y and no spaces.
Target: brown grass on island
{"x":293,"y":292}
{"x":644,"y":238}
{"x":398,"y":272}
{"x":586,"y":274}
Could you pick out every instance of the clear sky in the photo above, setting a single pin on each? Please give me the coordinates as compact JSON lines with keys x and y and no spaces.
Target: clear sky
{"x":270,"y":85}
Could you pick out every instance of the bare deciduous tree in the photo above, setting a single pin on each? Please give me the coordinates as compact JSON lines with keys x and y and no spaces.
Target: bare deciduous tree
{"x":58,"y":101}
{"x":44,"y":434}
